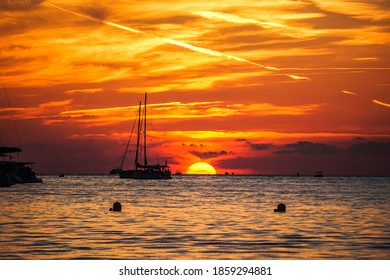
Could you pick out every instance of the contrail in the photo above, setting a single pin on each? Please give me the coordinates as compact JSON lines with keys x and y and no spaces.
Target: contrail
{"x":381,"y":103}
{"x":181,"y":44}
{"x":214,"y":53}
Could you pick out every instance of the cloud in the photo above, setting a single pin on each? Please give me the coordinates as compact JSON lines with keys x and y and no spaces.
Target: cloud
{"x":271,"y":109}
{"x":182,"y":44}
{"x":370,"y":148}
{"x":367,"y":11}
{"x":85,"y":90}
{"x":308,"y":148}
{"x":366,"y":58}
{"x":258,"y":147}
{"x":90,"y":136}
{"x":170,"y":41}
{"x":169,"y":110}
{"x":191,"y":110}
{"x":46,"y":110}
{"x":191,"y":145}
{"x":381,"y":103}
{"x":96,"y":11}
{"x":348,"y":92}
{"x":55,"y":104}
{"x":295,"y":32}
{"x":209,"y":154}
{"x":296,"y":77}
{"x":19,"y":4}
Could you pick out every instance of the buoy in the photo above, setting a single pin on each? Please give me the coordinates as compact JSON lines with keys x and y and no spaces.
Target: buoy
{"x":116,"y":207}
{"x":281,"y":208}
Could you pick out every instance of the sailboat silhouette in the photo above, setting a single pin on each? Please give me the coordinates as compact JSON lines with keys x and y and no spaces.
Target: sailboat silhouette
{"x":142,"y":169}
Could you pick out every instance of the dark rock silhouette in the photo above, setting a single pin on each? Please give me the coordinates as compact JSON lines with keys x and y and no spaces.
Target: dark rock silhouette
{"x":281,"y":208}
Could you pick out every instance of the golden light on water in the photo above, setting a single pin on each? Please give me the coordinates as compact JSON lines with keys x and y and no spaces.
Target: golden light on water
{"x":252,"y":86}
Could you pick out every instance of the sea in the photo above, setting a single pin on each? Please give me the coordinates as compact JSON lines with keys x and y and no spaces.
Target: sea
{"x":197,"y":217}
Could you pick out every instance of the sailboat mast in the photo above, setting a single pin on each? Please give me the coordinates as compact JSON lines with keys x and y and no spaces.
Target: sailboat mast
{"x":128,"y":141}
{"x":138,"y":136}
{"x":12,"y":114}
{"x":145,"y":159}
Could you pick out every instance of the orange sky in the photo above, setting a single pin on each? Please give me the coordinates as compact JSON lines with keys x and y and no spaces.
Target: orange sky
{"x":275,"y":86}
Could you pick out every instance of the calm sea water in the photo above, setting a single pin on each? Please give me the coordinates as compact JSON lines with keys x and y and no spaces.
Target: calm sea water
{"x":197,"y":217}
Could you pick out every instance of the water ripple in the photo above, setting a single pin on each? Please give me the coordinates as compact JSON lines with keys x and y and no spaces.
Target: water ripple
{"x":197,"y":217}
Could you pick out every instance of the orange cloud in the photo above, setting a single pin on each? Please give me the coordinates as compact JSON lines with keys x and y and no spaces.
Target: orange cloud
{"x":182,"y":111}
{"x":85,"y":90}
{"x":296,"y":77}
{"x":55,"y":104}
{"x":42,"y":111}
{"x":291,"y":31}
{"x":218,"y":70}
{"x":368,"y":11}
{"x":185,"y":45}
{"x":348,"y":92}
{"x":381,"y":103}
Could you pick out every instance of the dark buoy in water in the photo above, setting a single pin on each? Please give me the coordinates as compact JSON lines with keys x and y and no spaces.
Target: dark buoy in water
{"x":116,"y":207}
{"x":281,"y":208}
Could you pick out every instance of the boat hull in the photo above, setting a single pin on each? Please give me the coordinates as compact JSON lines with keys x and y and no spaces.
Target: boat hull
{"x":150,"y":175}
{"x":145,"y":175}
{"x":14,"y":172}
{"x":126,"y":174}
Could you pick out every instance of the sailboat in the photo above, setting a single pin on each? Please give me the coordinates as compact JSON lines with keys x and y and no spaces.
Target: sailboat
{"x":144,"y":170}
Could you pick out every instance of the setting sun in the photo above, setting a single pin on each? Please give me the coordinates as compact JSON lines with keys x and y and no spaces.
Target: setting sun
{"x":201,"y":168}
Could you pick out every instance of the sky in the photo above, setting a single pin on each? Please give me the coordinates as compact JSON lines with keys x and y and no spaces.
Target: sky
{"x":264,"y":87}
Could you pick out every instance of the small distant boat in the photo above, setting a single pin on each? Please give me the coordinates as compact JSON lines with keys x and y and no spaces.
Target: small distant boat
{"x":178,"y":173}
{"x":319,"y":174}
{"x":144,"y":170}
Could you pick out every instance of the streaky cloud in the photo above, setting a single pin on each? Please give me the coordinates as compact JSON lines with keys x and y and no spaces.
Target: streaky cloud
{"x":96,"y":12}
{"x":258,"y":147}
{"x":181,"y":44}
{"x":294,"y":32}
{"x":209,"y":154}
{"x":348,"y":92}
{"x":123,"y":27}
{"x":85,"y":90}
{"x":381,"y":103}
{"x":296,"y":77}
{"x":14,"y":5}
{"x":308,"y":148}
{"x":356,"y":9}
{"x":54,"y":104}
{"x":215,"y":53}
{"x":74,"y":13}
